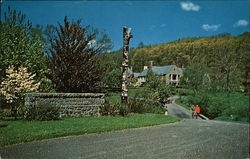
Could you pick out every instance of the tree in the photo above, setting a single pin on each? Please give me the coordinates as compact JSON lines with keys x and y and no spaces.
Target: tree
{"x":141,"y":45}
{"x":18,"y":82}
{"x":228,"y":76}
{"x":196,"y":77}
{"x":112,"y":79}
{"x":157,"y":88}
{"x":73,"y":61}
{"x":20,"y":44}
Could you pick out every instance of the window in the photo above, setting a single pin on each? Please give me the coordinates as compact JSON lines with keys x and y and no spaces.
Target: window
{"x":174,"y":77}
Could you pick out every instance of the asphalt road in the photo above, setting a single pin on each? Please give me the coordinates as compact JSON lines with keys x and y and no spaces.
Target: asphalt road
{"x":188,"y":139}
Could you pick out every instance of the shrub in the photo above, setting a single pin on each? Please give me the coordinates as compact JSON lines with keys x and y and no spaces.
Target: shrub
{"x":136,"y":105}
{"x":153,"y":106}
{"x":110,"y":108}
{"x":43,"y":111}
{"x":18,"y":82}
{"x":123,"y":110}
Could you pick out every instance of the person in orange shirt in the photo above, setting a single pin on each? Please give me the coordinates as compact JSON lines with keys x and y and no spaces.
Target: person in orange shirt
{"x":197,"y":111}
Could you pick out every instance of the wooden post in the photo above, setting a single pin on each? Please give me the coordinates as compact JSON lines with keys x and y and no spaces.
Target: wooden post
{"x":126,"y":37}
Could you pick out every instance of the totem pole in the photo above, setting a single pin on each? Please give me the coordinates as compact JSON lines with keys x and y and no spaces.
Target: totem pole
{"x":126,"y":37}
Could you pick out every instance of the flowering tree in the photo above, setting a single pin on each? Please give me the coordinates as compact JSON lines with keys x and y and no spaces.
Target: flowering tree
{"x":18,"y":82}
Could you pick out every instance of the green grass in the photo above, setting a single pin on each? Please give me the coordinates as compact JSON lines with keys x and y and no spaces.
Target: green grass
{"x":220,"y":105}
{"x":12,"y":132}
{"x":115,"y":97}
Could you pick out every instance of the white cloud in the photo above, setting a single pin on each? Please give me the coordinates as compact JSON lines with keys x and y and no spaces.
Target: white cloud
{"x":152,"y":27}
{"x":208,"y":27}
{"x":163,"y":25}
{"x":241,"y":22}
{"x":189,"y":6}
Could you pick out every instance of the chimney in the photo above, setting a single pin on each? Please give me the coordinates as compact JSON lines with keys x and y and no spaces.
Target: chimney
{"x":150,"y":64}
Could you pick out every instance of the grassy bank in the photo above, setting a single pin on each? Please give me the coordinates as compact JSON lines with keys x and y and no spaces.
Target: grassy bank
{"x":12,"y":132}
{"x":219,"y":105}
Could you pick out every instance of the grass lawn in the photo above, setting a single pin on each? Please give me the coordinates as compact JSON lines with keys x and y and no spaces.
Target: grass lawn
{"x":12,"y":132}
{"x":115,"y":97}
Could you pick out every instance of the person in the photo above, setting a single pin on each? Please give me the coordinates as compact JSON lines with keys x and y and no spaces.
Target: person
{"x":193,"y":111}
{"x":197,"y":111}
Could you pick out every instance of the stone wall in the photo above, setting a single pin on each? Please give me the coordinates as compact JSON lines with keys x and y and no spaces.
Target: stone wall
{"x":70,"y":104}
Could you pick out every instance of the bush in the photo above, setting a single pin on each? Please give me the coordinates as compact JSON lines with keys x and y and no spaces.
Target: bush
{"x":110,"y":108}
{"x":136,"y":105}
{"x":153,"y":106}
{"x":43,"y":111}
{"x":123,"y":110}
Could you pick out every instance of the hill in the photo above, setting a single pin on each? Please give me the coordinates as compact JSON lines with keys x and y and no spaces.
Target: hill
{"x":217,"y":52}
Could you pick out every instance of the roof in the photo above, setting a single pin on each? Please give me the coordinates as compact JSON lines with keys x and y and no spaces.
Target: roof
{"x":162,"y":70}
{"x":137,"y":74}
{"x":144,"y":73}
{"x":158,"y":70}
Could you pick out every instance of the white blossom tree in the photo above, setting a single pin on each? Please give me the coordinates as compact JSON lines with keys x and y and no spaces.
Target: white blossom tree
{"x":17,"y":82}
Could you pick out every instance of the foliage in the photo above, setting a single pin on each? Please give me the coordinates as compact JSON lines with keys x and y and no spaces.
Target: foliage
{"x":220,"y":105}
{"x":225,"y":56}
{"x":21,"y":45}
{"x":123,"y":110}
{"x":73,"y":61}
{"x":110,"y":108}
{"x":18,"y":82}
{"x":157,"y":89}
{"x":112,"y":79}
{"x":136,"y":105}
{"x":43,"y":111}
{"x":196,"y":77}
{"x":145,"y":101}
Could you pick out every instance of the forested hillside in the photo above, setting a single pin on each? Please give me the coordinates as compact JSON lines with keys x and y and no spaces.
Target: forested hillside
{"x":222,"y":53}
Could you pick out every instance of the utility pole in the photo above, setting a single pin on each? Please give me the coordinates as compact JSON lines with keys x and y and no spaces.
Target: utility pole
{"x":126,"y":37}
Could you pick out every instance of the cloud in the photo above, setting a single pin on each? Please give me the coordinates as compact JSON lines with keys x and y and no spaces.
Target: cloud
{"x":152,"y":27}
{"x":208,"y":27}
{"x":241,"y":22}
{"x":189,"y":6}
{"x":163,"y":25}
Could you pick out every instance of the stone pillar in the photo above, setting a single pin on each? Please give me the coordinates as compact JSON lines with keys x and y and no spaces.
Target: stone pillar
{"x":126,"y":38}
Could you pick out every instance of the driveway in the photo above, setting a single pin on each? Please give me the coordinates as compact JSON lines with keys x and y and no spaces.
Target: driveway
{"x":188,"y":139}
{"x":176,"y":110}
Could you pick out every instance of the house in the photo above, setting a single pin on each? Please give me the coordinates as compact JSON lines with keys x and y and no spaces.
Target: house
{"x":170,"y":74}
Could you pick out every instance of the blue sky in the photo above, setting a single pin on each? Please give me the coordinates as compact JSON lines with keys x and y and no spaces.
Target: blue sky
{"x":152,"y":22}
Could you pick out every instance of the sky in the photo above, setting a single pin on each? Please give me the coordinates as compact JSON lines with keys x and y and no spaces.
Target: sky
{"x":152,"y":22}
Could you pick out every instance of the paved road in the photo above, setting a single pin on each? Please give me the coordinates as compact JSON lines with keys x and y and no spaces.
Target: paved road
{"x":188,"y":139}
{"x":177,"y":111}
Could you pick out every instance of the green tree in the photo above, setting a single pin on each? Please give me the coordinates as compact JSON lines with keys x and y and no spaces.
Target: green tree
{"x":157,"y":88}
{"x":196,"y":77}
{"x":73,"y":57}
{"x":112,"y":79}
{"x":21,"y":44}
